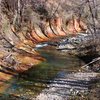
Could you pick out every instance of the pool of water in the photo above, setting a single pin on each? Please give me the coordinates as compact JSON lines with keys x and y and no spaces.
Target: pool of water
{"x":33,"y":81}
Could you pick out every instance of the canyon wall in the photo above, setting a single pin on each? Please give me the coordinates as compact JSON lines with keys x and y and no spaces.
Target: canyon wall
{"x":25,"y":23}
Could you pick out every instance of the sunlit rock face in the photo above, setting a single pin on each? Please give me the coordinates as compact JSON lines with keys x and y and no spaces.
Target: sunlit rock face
{"x":54,"y":29}
{"x":20,"y":34}
{"x":76,"y":25}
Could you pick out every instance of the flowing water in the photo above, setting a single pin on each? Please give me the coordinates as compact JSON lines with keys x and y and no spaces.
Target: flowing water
{"x":31,"y":83}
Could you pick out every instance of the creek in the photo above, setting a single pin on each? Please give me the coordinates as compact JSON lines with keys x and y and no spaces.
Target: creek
{"x":31,"y":83}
